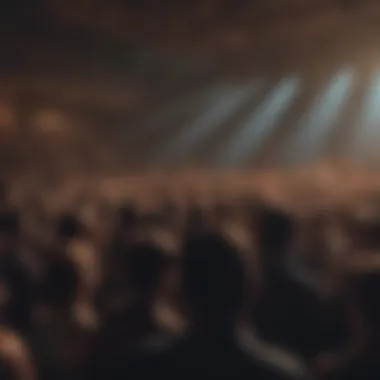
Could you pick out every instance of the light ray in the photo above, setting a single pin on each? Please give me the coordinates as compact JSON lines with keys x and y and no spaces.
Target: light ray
{"x":259,"y":126}
{"x":368,"y":130}
{"x":155,"y":122}
{"x":316,"y":125}
{"x":202,"y":128}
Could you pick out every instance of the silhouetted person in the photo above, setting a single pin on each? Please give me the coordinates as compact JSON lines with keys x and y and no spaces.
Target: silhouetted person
{"x":15,"y":273}
{"x":145,"y":275}
{"x":366,"y":364}
{"x":67,"y":229}
{"x":117,"y":253}
{"x":213,"y":284}
{"x":288,"y":313}
{"x":133,"y":328}
{"x":116,"y":257}
{"x":60,"y":339}
{"x":16,"y":362}
{"x":82,"y":252}
{"x":359,"y":358}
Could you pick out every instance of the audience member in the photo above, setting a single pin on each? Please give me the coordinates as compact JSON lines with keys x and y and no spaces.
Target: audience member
{"x":60,"y":339}
{"x":133,"y":328}
{"x":245,"y":297}
{"x":116,"y":255}
{"x":213,"y":282}
{"x":15,"y":274}
{"x":288,"y":313}
{"x":359,"y":357}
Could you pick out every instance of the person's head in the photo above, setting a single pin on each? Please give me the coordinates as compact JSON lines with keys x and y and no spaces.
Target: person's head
{"x":126,"y":220}
{"x":275,"y":232}
{"x":213,"y":281}
{"x":69,"y":227}
{"x":9,"y":231}
{"x":146,"y":266}
{"x":61,"y":284}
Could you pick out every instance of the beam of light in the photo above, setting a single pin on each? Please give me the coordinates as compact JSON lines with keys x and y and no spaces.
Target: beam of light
{"x":316,"y":125}
{"x":154,"y":123}
{"x":249,"y":137}
{"x":368,"y":130}
{"x":201,"y":128}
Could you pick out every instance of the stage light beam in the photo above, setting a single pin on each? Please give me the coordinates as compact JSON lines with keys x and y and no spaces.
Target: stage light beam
{"x":368,"y":132}
{"x":315,"y":126}
{"x":207,"y":124}
{"x":260,"y":125}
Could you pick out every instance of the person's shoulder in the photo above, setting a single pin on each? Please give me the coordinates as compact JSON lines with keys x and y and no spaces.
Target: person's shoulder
{"x":270,"y":361}
{"x":11,"y":344}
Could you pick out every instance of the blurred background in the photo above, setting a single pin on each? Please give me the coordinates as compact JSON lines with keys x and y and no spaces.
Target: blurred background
{"x":189,"y":171}
{"x":103,"y":87}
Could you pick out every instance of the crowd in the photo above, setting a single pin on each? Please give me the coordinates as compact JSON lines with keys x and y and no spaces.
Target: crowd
{"x":247,"y":290}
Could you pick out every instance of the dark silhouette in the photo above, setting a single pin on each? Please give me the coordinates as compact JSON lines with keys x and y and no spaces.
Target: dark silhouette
{"x":132,"y":329}
{"x":61,"y":284}
{"x":304,"y":302}
{"x":365,"y":293}
{"x":213,"y":285}
{"x":359,"y":358}
{"x":69,"y":227}
{"x":116,"y":255}
{"x":15,"y":274}
{"x":287,"y":313}
{"x":60,"y":340}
